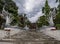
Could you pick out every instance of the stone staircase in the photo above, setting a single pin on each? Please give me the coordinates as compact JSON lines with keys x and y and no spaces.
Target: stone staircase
{"x":31,"y":37}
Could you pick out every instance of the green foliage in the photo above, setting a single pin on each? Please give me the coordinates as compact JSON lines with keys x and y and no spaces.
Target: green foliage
{"x":57,"y":19}
{"x":22,"y":20}
{"x":58,"y":26}
{"x":2,"y":22}
{"x":10,"y":6}
{"x":28,"y":23}
{"x":42,"y":21}
{"x":58,"y":8}
{"x":1,"y":5}
{"x":14,"y":22}
{"x":39,"y":25}
{"x":58,"y":11}
{"x":46,"y":9}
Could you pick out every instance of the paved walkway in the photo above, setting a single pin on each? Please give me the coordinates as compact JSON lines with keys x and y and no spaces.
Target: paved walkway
{"x":28,"y":37}
{"x":6,"y":43}
{"x":52,"y":33}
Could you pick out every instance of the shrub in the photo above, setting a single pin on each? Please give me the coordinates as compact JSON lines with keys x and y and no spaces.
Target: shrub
{"x":57,"y":26}
{"x":42,"y":21}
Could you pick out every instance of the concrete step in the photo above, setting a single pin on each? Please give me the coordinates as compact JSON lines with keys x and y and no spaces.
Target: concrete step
{"x":7,"y":40}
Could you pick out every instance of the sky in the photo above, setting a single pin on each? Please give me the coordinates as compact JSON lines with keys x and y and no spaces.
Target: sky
{"x":33,"y":8}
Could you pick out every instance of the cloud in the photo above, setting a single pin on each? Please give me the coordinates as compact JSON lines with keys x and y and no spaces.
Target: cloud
{"x":33,"y":7}
{"x":20,"y":4}
{"x":52,"y":3}
{"x":31,"y":4}
{"x":35,"y":18}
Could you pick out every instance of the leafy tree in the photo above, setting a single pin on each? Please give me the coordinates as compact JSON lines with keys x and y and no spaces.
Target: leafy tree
{"x":58,"y":8}
{"x":28,"y":23}
{"x":57,"y":19}
{"x":46,"y":10}
{"x":1,"y":5}
{"x":22,"y":20}
{"x":42,"y":21}
{"x":2,"y":20}
{"x":10,"y":6}
{"x":57,"y":26}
